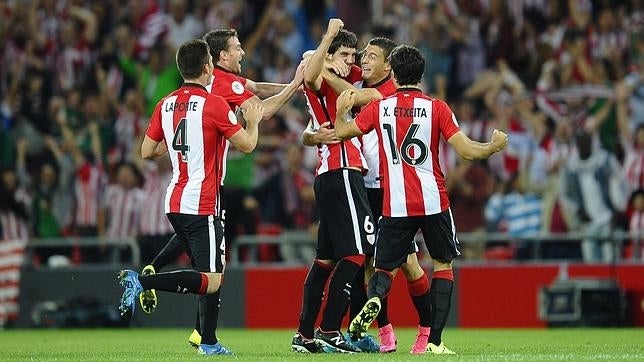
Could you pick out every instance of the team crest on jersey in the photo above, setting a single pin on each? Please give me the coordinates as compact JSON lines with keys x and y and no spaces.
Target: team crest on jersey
{"x":231,"y":117}
{"x":237,"y":87}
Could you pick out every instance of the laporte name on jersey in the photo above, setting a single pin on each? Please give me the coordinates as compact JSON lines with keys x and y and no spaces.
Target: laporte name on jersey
{"x":183,"y":106}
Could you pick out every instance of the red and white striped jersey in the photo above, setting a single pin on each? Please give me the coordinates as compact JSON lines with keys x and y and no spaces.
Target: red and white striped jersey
{"x":372,"y":178}
{"x":123,"y":211}
{"x":89,"y":185}
{"x":321,"y":106}
{"x":192,"y":121}
{"x":409,"y":126}
{"x":229,"y":86}
{"x":153,"y":220}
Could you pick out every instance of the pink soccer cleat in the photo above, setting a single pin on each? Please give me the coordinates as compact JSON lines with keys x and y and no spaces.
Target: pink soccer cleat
{"x":422,"y":338}
{"x":387,"y":338}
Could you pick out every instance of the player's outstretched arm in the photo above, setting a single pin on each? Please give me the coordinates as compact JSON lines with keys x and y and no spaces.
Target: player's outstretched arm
{"x":313,"y":71}
{"x":245,"y":140}
{"x":473,"y":150}
{"x":345,"y":129}
{"x":339,"y":85}
{"x":274,"y":103}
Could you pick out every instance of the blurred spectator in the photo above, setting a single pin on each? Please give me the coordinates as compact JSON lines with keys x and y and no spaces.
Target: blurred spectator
{"x":158,"y":78}
{"x":121,"y":205}
{"x":517,"y":212}
{"x":14,"y":233}
{"x":182,"y":25}
{"x":154,"y":229}
{"x":594,"y":192}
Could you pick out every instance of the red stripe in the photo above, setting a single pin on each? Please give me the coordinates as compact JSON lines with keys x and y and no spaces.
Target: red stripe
{"x":356,"y":259}
{"x":211,"y":157}
{"x":323,"y":266}
{"x":203,"y":288}
{"x":177,"y":193}
{"x":444,"y":274}
{"x":10,"y":268}
{"x":9,"y":283}
{"x":419,"y":286}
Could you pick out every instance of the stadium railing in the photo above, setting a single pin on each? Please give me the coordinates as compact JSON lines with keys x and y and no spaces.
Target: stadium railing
{"x":290,"y":239}
{"x":112,"y":255}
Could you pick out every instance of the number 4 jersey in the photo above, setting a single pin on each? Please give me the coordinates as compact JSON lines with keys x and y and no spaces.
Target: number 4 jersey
{"x":194,"y":124}
{"x":409,"y":126}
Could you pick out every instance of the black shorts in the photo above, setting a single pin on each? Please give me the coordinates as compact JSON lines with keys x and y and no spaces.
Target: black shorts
{"x":396,"y":234}
{"x":375,"y":197}
{"x":346,"y":224}
{"x":204,"y":235}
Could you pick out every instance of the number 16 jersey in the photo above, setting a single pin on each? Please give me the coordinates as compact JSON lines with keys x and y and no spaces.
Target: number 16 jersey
{"x":409,"y":126}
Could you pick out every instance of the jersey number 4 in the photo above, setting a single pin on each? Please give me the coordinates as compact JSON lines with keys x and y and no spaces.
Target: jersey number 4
{"x":179,"y":141}
{"x":412,"y":150}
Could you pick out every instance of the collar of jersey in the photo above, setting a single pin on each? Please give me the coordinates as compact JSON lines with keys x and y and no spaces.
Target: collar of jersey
{"x":408,"y":89}
{"x":190,"y":84}
{"x":379,"y":83}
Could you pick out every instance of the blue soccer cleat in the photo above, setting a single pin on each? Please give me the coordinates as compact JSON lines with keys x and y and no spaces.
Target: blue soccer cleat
{"x":129,"y":279}
{"x":366,"y":344}
{"x":213,"y":349}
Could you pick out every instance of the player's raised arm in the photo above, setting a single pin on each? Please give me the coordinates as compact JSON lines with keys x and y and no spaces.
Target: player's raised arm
{"x":473,"y":150}
{"x":313,"y":71}
{"x":345,"y":129}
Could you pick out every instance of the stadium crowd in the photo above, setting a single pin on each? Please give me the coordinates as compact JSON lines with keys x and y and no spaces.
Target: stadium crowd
{"x":564,"y":79}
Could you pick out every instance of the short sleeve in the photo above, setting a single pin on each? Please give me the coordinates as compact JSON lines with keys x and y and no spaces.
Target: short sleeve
{"x":219,"y":115}
{"x":232,"y":89}
{"x":155,"y":130}
{"x":368,"y":117}
{"x":447,"y":122}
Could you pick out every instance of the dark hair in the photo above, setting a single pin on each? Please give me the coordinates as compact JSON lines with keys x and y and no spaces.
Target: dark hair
{"x":191,"y":57}
{"x":408,"y":64}
{"x":218,"y":40}
{"x":344,"y":38}
{"x":386,"y":44}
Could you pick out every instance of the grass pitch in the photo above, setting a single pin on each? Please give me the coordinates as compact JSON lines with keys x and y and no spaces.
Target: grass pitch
{"x":263,"y":345}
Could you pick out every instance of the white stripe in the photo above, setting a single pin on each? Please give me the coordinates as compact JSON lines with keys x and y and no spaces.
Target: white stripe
{"x":12,"y":244}
{"x":354,"y":215}
{"x":168,"y":129}
{"x":425,"y":171}
{"x":11,"y":274}
{"x":196,"y":171}
{"x":8,"y":292}
{"x":396,"y":180}
{"x":212,"y":242}
{"x":454,"y":237}
{"x":11,"y":260}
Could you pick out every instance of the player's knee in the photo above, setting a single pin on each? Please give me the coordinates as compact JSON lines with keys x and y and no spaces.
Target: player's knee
{"x":214,"y":282}
{"x":412,"y":271}
{"x":442,"y":265}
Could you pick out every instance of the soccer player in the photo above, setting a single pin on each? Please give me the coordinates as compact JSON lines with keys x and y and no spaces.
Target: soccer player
{"x":239,"y":93}
{"x":409,"y":126}
{"x":190,"y":124}
{"x":346,"y":226}
{"x":377,"y":83}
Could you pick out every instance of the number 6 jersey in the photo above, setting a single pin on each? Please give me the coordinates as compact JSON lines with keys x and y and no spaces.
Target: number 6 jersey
{"x":409,"y":126}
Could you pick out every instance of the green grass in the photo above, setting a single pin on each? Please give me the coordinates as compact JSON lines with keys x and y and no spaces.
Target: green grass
{"x":470,"y":344}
